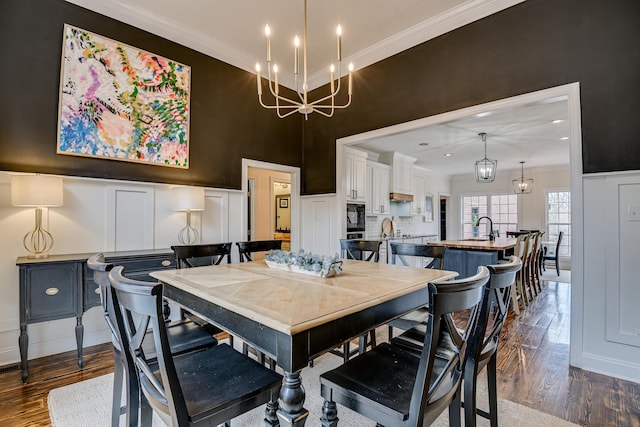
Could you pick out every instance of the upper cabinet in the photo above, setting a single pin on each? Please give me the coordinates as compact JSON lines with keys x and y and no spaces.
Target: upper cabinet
{"x":355,"y":175}
{"x":401,"y":172}
{"x":419,"y":191}
{"x":377,"y":188}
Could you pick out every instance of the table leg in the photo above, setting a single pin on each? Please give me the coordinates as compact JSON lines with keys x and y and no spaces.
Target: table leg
{"x":329,"y":414}
{"x":270,"y":413}
{"x":291,"y":412}
{"x":79,"y":335}
{"x":23,"y":343}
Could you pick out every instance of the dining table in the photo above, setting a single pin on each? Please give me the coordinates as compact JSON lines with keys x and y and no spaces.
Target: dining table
{"x":294,"y":317}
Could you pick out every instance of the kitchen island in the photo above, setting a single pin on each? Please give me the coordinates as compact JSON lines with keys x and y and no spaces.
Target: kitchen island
{"x":464,"y":256}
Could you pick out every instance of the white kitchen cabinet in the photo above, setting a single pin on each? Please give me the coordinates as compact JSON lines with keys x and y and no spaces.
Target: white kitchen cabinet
{"x":355,"y":175}
{"x":377,"y":188}
{"x":401,"y":172}
{"x":419,"y":192}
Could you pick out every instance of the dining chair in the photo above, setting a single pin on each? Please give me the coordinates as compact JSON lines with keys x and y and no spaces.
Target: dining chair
{"x":553,"y":256}
{"x":184,"y":336}
{"x":362,"y":250}
{"x":206,"y":387}
{"x":394,"y":385}
{"x":247,"y":249}
{"x":517,"y":290}
{"x":398,"y":252}
{"x":492,"y":318}
{"x":188,"y":256}
{"x":527,"y":244}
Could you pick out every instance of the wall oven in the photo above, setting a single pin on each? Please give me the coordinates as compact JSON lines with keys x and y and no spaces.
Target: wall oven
{"x":355,"y":221}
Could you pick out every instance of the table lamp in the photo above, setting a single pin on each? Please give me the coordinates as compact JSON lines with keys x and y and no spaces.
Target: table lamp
{"x":188,"y":199}
{"x":37,"y":191}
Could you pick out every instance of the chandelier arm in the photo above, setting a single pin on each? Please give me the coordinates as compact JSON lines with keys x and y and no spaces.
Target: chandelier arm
{"x":315,"y":106}
{"x":323,"y":113}
{"x":276,"y":106}
{"x":298,"y":89}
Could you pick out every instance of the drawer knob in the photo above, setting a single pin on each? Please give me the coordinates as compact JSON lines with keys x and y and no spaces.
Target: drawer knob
{"x":52,"y":291}
{"x":97,"y":290}
{"x":166,"y":263}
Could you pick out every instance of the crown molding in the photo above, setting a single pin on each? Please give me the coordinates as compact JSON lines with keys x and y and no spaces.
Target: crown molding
{"x":449,"y":20}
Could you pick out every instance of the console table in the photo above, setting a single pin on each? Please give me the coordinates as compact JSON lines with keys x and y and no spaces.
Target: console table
{"x":62,"y":286}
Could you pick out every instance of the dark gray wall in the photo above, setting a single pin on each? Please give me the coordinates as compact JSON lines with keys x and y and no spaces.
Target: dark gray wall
{"x":534,"y":45}
{"x":227,"y":122}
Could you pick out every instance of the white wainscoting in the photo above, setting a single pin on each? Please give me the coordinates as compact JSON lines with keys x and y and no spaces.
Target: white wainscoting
{"x":318,"y":224}
{"x":610,"y":291}
{"x":622,"y":228}
{"x":99,"y":216}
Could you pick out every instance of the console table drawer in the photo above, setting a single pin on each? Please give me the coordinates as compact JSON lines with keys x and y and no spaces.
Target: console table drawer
{"x":50,"y":295}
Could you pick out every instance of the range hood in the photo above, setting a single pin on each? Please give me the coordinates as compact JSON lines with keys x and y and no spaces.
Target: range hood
{"x":399,"y":197}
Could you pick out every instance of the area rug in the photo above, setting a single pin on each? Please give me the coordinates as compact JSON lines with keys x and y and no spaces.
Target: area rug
{"x":88,"y":403}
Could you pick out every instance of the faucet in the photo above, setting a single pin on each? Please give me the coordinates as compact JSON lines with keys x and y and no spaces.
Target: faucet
{"x":491,"y":236}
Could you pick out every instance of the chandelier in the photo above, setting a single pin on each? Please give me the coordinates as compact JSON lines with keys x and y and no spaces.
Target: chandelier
{"x":285,"y":106}
{"x":522,"y":185}
{"x":485,"y":168}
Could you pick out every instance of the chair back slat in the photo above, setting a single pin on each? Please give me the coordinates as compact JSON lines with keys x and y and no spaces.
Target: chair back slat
{"x":446,"y":298}
{"x":435,"y":253}
{"x":246,"y":249}
{"x":500,"y":281}
{"x":188,"y":256}
{"x":101,"y":271}
{"x":358,"y":249}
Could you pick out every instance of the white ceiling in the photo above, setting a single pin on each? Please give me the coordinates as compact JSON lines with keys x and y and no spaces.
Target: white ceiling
{"x":233,"y":31}
{"x":526,"y":133}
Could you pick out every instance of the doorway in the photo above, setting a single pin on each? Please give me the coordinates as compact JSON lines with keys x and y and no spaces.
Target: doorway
{"x":444,"y":200}
{"x":569,"y":92}
{"x":272,"y":203}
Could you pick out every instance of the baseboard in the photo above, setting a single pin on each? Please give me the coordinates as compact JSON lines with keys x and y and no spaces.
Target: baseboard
{"x":611,"y":367}
{"x":46,"y":348}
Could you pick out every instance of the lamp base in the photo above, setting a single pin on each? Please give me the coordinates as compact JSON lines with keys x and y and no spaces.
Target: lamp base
{"x":39,"y":241}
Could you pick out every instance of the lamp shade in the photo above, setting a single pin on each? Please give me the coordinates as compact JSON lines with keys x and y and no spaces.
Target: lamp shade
{"x":188,"y":198}
{"x":36,"y":190}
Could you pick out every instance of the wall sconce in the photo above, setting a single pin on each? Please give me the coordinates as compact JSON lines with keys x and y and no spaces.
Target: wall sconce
{"x":188,"y":199}
{"x":37,"y":191}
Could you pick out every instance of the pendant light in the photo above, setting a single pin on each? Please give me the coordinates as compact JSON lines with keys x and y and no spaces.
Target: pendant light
{"x":485,"y":168}
{"x":522,"y":185}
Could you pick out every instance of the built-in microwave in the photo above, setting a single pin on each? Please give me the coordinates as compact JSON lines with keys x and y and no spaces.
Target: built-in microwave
{"x":355,"y":217}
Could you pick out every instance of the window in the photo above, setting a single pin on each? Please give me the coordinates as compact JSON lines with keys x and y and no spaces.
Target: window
{"x":559,"y":219}
{"x":501,"y":208}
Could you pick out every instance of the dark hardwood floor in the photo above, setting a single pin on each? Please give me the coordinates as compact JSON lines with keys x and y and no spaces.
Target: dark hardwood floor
{"x":533,"y":370}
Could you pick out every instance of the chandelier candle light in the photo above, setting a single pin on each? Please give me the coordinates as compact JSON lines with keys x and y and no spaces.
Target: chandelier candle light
{"x":325,"y":106}
{"x":485,"y":168}
{"x":522,"y":185}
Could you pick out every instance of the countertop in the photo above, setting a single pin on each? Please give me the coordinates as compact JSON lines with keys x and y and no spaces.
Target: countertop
{"x":499,"y":244}
{"x":407,"y":236}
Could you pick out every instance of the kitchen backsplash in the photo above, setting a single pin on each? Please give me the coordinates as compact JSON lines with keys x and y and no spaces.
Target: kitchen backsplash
{"x":406,"y":225}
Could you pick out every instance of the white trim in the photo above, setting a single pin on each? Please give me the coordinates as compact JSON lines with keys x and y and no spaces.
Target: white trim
{"x":611,"y":367}
{"x":571,"y":92}
{"x":445,"y":22}
{"x":295,"y":195}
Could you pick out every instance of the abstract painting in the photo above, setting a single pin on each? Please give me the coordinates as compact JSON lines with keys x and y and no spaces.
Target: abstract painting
{"x":122,"y":103}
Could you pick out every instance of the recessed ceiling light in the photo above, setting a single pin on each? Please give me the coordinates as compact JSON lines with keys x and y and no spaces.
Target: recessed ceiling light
{"x":424,"y":144}
{"x":564,"y":138}
{"x":555,"y":122}
{"x":447,"y":154}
